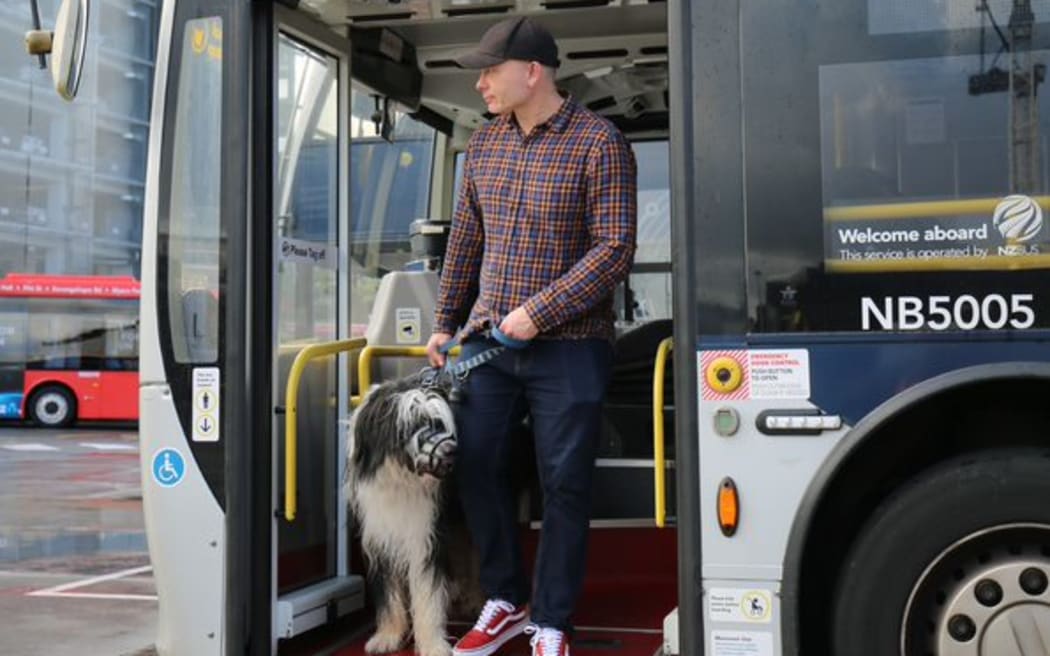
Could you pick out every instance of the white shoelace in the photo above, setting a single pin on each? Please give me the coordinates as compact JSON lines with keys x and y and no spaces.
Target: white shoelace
{"x":488,"y":613}
{"x":547,"y":638}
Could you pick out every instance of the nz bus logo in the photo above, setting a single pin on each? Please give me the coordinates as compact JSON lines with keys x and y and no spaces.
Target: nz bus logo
{"x":1019,"y":220}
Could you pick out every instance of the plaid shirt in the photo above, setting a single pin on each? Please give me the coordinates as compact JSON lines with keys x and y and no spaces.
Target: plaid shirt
{"x":545,"y":221}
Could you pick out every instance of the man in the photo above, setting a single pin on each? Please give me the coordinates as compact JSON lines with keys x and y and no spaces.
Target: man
{"x":543,"y":232}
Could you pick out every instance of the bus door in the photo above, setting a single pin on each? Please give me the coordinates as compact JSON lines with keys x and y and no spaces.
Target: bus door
{"x":310,"y":209}
{"x":241,"y":270}
{"x":193,"y":340}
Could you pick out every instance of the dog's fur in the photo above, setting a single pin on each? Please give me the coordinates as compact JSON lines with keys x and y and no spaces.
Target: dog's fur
{"x":401,"y":449}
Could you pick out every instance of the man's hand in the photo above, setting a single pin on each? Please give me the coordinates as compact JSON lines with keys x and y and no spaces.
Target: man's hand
{"x":519,"y":325}
{"x":436,"y":357}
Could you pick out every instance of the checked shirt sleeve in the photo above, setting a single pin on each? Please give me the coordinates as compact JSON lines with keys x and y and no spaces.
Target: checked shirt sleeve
{"x":612,"y":224}
{"x":459,"y":274}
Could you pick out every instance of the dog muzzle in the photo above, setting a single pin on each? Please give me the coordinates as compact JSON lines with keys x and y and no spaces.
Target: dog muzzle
{"x":435,"y":451}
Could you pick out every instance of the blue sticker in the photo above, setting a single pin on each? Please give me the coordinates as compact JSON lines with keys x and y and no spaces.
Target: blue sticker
{"x":168,"y":467}
{"x":10,"y":404}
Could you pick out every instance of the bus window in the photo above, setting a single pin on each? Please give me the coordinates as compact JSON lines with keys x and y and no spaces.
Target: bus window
{"x":59,"y":338}
{"x":193,"y":214}
{"x":12,"y":356}
{"x":930,"y":166}
{"x":122,"y":340}
{"x":307,"y":201}
{"x":457,"y":175}
{"x":389,"y":188}
{"x":650,"y":281}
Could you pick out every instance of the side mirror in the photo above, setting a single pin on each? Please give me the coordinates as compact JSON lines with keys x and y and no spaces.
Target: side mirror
{"x":67,"y":45}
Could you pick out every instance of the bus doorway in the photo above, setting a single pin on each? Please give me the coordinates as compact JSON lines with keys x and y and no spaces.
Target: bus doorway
{"x":309,"y":307}
{"x":404,"y":166}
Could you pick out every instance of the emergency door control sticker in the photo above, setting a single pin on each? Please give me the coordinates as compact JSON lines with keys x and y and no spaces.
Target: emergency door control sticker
{"x":780,"y":374}
{"x":740,"y":605}
{"x":741,"y":643}
{"x":206,"y":404}
{"x":740,"y":375}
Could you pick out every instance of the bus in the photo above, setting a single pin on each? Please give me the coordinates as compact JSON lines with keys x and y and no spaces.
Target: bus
{"x":68,"y":348}
{"x":841,"y":338}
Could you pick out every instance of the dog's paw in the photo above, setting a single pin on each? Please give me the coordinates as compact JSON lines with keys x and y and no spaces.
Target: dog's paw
{"x":435,"y":648}
{"x":384,"y":643}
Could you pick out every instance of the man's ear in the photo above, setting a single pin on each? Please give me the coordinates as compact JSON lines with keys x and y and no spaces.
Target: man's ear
{"x":535,"y":74}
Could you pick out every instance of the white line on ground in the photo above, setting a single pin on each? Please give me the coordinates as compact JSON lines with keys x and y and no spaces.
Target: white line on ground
{"x":93,"y":595}
{"x":29,"y":447}
{"x":63,"y":590}
{"x":100,"y":446}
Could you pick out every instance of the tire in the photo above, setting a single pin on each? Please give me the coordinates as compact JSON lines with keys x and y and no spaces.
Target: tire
{"x":52,"y":406}
{"x":952,"y":564}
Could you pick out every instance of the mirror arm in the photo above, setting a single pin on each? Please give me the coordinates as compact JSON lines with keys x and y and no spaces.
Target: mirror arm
{"x":33,"y":38}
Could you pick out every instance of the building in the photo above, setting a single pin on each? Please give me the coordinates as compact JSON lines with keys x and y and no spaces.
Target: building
{"x":72,"y":175}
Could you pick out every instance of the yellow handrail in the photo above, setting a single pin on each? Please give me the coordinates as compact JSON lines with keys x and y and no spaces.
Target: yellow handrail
{"x":291,"y":411}
{"x":368,"y":353}
{"x":659,"y":465}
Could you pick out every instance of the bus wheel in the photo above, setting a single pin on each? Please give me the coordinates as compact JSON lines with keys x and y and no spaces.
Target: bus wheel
{"x":957,"y":562}
{"x":53,"y":406}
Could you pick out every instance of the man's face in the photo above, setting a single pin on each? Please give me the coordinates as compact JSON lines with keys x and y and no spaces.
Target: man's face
{"x":506,"y":86}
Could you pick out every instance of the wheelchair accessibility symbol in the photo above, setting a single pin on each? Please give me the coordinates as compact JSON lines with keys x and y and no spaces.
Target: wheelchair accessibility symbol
{"x":168,"y":467}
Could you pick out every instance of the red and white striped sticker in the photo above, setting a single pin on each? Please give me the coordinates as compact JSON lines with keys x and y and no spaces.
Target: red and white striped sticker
{"x":742,"y":392}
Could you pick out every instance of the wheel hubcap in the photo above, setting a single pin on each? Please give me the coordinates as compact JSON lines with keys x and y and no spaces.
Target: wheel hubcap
{"x":51,"y":408}
{"x":986,"y":595}
{"x":1006,"y":620}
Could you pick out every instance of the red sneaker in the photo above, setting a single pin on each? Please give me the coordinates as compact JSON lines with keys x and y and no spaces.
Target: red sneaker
{"x":548,"y":642}
{"x":499,"y":622}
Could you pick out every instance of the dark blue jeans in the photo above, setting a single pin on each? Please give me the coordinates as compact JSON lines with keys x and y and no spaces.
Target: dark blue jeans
{"x":561,"y":384}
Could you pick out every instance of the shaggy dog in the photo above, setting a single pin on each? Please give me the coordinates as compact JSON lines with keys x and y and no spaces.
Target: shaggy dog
{"x":401,"y":449}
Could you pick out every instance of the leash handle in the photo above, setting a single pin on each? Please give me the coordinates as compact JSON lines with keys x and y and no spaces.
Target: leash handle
{"x":448,"y":346}
{"x":508,"y":341}
{"x":503,"y":338}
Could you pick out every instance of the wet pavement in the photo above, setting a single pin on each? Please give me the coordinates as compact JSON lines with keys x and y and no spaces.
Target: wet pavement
{"x":74,"y":568}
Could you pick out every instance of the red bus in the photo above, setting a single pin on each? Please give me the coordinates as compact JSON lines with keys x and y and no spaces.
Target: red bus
{"x":69,"y":348}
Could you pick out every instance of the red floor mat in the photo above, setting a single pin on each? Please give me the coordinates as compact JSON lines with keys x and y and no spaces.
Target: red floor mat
{"x":586,"y":643}
{"x":638,"y":604}
{"x":630,"y":586}
{"x":635,"y":608}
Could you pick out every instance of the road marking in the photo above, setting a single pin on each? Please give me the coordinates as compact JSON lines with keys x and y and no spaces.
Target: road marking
{"x":32,"y":446}
{"x":93,"y":595}
{"x":64,"y":589}
{"x":102,"y":446}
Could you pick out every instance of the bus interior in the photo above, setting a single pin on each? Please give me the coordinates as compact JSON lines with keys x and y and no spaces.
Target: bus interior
{"x":412,"y":111}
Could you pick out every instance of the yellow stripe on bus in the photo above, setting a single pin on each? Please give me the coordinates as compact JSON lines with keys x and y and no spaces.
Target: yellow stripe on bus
{"x":919,"y":210}
{"x":991,"y":262}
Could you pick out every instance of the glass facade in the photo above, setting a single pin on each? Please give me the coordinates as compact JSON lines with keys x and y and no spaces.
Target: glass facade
{"x":72,"y":175}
